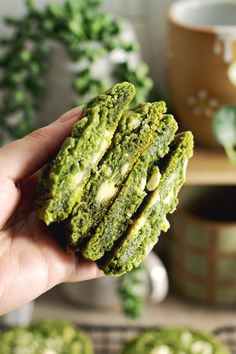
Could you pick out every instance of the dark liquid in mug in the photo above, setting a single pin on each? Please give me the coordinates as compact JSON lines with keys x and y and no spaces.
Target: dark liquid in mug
{"x":217,"y":204}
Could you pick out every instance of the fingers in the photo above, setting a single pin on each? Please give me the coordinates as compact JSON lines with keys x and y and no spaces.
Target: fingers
{"x":84,"y":270}
{"x":63,"y":266}
{"x":150,"y":247}
{"x":9,"y":199}
{"x":23,"y":157}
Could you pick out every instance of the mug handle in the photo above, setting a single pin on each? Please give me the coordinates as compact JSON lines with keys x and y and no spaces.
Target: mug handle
{"x":158,"y":278}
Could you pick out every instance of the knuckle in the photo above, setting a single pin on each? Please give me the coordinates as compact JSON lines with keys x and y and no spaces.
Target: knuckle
{"x":40,"y":138}
{"x":39,"y":134}
{"x":5,"y":184}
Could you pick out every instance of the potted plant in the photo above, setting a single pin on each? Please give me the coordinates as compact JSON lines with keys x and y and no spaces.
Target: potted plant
{"x":87,"y":36}
{"x":129,"y":292}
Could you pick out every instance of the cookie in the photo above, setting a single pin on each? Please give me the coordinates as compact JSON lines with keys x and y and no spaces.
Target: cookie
{"x":175,"y":341}
{"x":150,"y":220}
{"x":113,"y":182}
{"x":51,"y":336}
{"x":136,"y":130}
{"x":62,"y":180}
{"x":118,"y":217}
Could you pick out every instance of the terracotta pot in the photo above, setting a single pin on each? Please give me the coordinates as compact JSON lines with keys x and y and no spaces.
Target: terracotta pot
{"x":203,"y":246}
{"x":201,"y":63}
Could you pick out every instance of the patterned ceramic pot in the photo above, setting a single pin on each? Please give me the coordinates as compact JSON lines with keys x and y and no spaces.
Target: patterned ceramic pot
{"x":201,"y":62}
{"x":203,"y":246}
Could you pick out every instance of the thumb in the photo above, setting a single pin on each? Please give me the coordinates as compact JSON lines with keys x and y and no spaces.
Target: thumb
{"x":25,"y":156}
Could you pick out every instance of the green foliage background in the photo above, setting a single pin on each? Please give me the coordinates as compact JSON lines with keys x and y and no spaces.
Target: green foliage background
{"x":25,"y":58}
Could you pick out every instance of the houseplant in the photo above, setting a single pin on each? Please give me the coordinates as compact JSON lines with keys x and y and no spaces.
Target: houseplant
{"x":129,"y":293}
{"x":87,"y":35}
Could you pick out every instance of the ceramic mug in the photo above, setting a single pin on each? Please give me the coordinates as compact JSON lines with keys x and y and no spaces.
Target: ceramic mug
{"x":201,"y":62}
{"x":203,"y":245}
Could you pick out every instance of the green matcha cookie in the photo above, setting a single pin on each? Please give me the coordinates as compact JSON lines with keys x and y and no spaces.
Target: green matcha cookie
{"x":175,"y":341}
{"x":150,"y":220}
{"x":62,"y":180}
{"x":118,"y":217}
{"x":115,"y":179}
{"x":46,"y":337}
{"x":136,"y":130}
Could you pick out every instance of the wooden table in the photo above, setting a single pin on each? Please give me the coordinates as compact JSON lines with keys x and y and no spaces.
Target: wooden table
{"x":210,"y":168}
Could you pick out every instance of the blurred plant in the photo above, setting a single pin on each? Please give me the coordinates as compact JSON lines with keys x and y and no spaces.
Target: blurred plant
{"x":132,"y":299}
{"x":87,"y":34}
{"x":224,"y":127}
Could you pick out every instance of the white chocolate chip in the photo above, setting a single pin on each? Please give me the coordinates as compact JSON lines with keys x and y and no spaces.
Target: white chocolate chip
{"x":162,"y":349}
{"x":186,"y":337}
{"x":103,"y":145}
{"x":169,"y":197}
{"x":106,"y":191}
{"x":108,"y":172}
{"x":154,"y":180}
{"x":154,"y":199}
{"x":108,"y":134}
{"x":201,"y":347}
{"x":124,"y":169}
{"x":102,"y":148}
{"x":207,"y":349}
{"x":77,"y":178}
{"x":95,"y":158}
{"x":143,"y":184}
{"x":134,"y":123}
{"x":171,"y":178}
{"x":49,"y":351}
{"x":139,"y":223}
{"x":185,"y":164}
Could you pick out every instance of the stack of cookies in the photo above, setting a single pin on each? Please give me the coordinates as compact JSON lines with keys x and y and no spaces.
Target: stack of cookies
{"x":115,"y":179}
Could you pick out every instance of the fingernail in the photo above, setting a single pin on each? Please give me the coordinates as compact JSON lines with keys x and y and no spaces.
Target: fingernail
{"x":75,"y":113}
{"x":100,"y":273}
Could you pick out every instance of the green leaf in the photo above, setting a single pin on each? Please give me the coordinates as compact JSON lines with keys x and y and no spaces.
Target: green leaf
{"x":25,"y":56}
{"x":11,"y":21}
{"x":48,"y":26}
{"x":30,"y":4}
{"x":35,"y":85}
{"x":73,"y":6}
{"x":43,"y":48}
{"x":81,"y":85}
{"x":76,"y":24}
{"x":224,"y":125}
{"x":224,"y":128}
{"x":14,"y":78}
{"x":5,"y":41}
{"x":137,"y":75}
{"x":94,"y":3}
{"x":34,"y":68}
{"x":20,"y":96}
{"x":132,"y":300}
{"x":76,"y":28}
{"x":55,"y":10}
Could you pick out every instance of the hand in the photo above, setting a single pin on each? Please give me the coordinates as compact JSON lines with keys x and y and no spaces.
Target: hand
{"x":31,"y":260}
